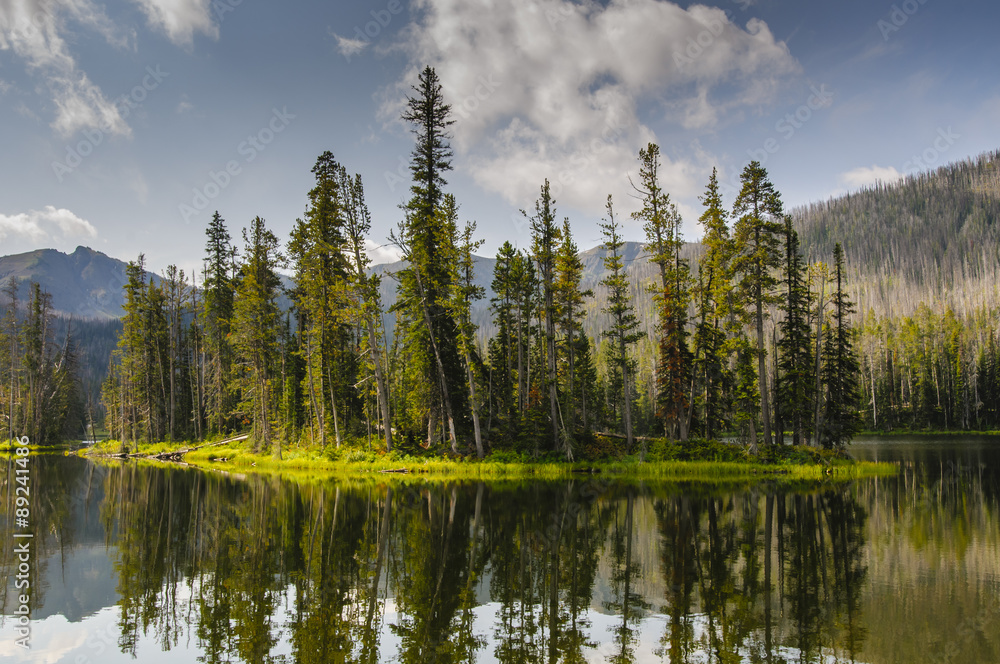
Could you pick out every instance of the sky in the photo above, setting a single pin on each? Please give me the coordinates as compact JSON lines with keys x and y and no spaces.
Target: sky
{"x":124,"y":124}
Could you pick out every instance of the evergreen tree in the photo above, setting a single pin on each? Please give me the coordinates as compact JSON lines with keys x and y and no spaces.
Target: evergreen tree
{"x":569,"y":300}
{"x":367,"y":299}
{"x":714,"y":310}
{"x":504,"y":346}
{"x":255,"y":331}
{"x":217,"y":315}
{"x":317,"y":248}
{"x":840,"y":366}
{"x":757,"y":252}
{"x":465,"y":293}
{"x":624,"y":331}
{"x":545,"y":238}
{"x":425,"y":240}
{"x":795,"y":389}
{"x":662,"y":224}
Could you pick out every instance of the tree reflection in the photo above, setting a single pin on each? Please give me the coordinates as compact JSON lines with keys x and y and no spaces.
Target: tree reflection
{"x":374,"y":572}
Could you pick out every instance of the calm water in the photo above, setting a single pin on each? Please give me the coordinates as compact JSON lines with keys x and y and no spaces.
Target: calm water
{"x":167,"y":564}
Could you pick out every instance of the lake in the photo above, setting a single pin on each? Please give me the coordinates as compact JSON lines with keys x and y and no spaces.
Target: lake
{"x":159,"y":563}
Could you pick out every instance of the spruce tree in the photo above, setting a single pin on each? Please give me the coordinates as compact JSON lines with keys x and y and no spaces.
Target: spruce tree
{"x":795,"y":391}
{"x":545,"y":238}
{"x":757,"y":252}
{"x":217,"y":314}
{"x":840,"y":366}
{"x":425,"y":240}
{"x":714,"y":296}
{"x":624,"y":330}
{"x":503,"y":347}
{"x":255,"y":327}
{"x":368,"y":305}
{"x":662,"y":224}
{"x":465,"y":293}
{"x":569,"y":306}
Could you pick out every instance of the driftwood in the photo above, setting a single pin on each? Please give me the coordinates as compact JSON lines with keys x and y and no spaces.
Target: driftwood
{"x":175,"y":455}
{"x":621,"y":436}
{"x":395,"y":470}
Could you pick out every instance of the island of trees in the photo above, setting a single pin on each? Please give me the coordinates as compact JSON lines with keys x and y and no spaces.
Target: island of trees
{"x":750,"y":339}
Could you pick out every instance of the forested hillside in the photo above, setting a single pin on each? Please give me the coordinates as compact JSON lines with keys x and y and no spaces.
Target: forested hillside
{"x":932,"y":238}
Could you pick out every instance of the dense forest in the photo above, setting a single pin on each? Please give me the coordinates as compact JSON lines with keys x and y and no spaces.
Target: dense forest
{"x":750,"y":340}
{"x":43,"y":375}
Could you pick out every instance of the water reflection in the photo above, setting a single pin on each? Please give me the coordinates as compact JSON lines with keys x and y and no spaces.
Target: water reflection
{"x":215,"y":568}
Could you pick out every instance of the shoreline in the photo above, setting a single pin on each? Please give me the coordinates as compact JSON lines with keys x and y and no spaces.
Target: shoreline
{"x":311,"y":463}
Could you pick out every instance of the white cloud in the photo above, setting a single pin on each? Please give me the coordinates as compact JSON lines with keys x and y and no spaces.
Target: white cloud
{"x":33,"y":30}
{"x":181,"y":19}
{"x":381,"y":253}
{"x":868,"y":175}
{"x":557,"y":89}
{"x":49,"y":223}
{"x":348,"y":47}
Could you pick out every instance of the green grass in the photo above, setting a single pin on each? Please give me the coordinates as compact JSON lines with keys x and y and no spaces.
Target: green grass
{"x":705,"y":461}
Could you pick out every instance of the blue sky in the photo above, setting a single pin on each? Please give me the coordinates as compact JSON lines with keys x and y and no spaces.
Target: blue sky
{"x":125,"y":123}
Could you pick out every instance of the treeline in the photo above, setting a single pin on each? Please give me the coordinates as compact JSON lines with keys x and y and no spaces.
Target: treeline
{"x":40,"y":391}
{"x":192,"y":363}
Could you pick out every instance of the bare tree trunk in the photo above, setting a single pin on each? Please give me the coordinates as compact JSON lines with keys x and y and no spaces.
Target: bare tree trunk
{"x":819,"y":364}
{"x":474,"y":406}
{"x":442,"y":379}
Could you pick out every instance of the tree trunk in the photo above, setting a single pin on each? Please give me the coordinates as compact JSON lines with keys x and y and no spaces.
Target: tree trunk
{"x":765,"y":402}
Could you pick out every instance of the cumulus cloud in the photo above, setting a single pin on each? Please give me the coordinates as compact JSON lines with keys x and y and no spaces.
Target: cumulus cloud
{"x":181,"y":19}
{"x":561,"y":89}
{"x":869,"y":175}
{"x":33,"y":30}
{"x":50,"y":223}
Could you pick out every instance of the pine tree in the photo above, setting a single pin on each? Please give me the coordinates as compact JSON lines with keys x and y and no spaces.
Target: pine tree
{"x":255,"y":330}
{"x":424,"y":239}
{"x":545,"y":238}
{"x":569,"y":300}
{"x":465,"y":293}
{"x":504,"y":347}
{"x":217,"y":316}
{"x":713,"y":304}
{"x":317,"y":248}
{"x":624,"y":331}
{"x":662,"y":224}
{"x":757,"y":252}
{"x":357,"y":227}
{"x":840,"y":366}
{"x":795,"y":389}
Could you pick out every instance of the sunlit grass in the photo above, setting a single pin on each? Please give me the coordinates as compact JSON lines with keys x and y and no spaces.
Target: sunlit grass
{"x":716,"y":464}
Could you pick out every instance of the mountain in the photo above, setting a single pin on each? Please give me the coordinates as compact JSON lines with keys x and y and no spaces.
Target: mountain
{"x":84,"y":284}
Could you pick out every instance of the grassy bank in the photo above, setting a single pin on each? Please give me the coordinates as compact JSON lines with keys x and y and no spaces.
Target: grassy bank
{"x":692,"y":461}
